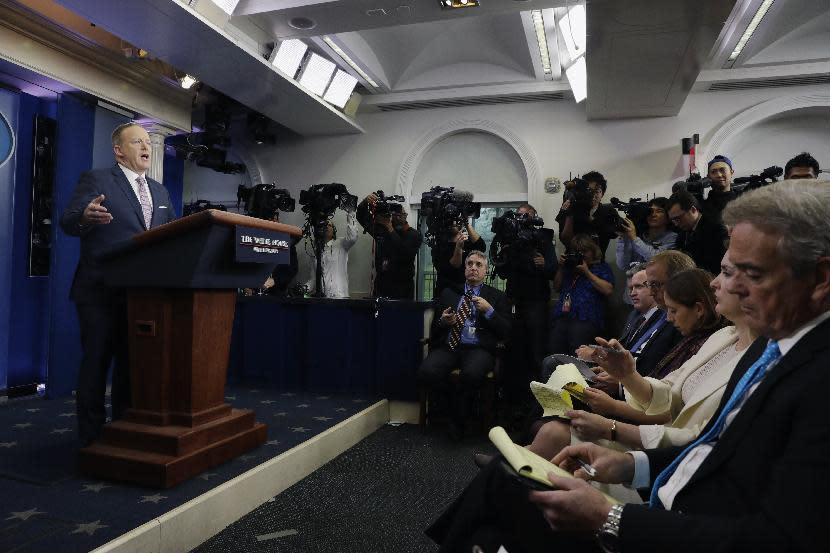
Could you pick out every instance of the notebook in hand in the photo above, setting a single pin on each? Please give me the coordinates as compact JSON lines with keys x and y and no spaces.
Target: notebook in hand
{"x":527,"y":464}
{"x":557,"y":395}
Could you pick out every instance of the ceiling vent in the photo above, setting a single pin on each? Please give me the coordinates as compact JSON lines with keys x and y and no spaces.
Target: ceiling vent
{"x":483,"y":101}
{"x":770,"y":83}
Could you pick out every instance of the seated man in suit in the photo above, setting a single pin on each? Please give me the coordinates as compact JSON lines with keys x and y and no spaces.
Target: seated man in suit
{"x":108,"y":206}
{"x":465,"y":337}
{"x":766,"y":449}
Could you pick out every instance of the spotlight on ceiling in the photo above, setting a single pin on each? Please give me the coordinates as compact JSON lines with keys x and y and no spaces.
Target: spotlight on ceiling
{"x":340,"y":89}
{"x":188,"y":81}
{"x":316,"y":74}
{"x":454,"y":4}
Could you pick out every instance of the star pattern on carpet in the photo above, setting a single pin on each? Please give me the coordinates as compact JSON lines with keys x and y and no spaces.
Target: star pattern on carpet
{"x":67,"y":415}
{"x":207,"y":475}
{"x":273,"y":442}
{"x":254,"y":391}
{"x":89,"y":528}
{"x":230,"y":398}
{"x":155,"y":498}
{"x":33,"y":410}
{"x":323,"y":397}
{"x":281,"y":414}
{"x":63,"y":430}
{"x":323,"y":419}
{"x":267,"y":401}
{"x":358,"y":400}
{"x":299,"y":429}
{"x":302,"y":406}
{"x":340,"y":409}
{"x":8,"y":445}
{"x":287,"y":394}
{"x":95,"y":487}
{"x":246,"y":458}
{"x":25,"y":515}
{"x":22,"y":425}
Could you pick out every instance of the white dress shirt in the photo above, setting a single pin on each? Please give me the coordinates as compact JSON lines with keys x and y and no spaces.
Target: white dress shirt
{"x":335,"y":263}
{"x":695,"y":458}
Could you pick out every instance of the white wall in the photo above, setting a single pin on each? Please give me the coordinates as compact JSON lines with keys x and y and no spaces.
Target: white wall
{"x":637,"y":156}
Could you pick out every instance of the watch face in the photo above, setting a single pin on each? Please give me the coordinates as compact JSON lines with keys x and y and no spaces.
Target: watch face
{"x":608,"y":541}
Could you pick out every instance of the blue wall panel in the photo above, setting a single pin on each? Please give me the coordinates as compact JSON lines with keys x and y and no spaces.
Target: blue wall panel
{"x":74,"y":145}
{"x":174,"y":181}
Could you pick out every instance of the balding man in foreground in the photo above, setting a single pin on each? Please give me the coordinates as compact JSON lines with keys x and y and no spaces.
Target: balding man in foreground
{"x":757,"y":478}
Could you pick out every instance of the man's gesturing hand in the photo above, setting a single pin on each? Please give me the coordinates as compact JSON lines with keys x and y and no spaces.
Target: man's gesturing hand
{"x":96,"y":214}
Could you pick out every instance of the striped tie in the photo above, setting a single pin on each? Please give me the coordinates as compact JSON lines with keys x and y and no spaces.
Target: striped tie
{"x":144,"y":200}
{"x":461,"y":317}
{"x":752,"y":376}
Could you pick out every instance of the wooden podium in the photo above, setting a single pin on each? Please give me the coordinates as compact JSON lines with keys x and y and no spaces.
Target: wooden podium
{"x":182,"y":281}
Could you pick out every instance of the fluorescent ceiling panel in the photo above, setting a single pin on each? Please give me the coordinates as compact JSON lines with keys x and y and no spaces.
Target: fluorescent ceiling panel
{"x":227,"y":6}
{"x":541,"y":39}
{"x":578,"y":79}
{"x":574,"y":30}
{"x":289,"y":56}
{"x":759,"y":15}
{"x":316,"y":74}
{"x":340,"y":89}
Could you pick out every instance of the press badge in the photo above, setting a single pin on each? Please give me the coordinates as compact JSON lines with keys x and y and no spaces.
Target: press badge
{"x":566,"y":304}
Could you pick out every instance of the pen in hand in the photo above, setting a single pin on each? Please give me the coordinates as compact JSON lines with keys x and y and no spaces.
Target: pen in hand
{"x":591,"y":471}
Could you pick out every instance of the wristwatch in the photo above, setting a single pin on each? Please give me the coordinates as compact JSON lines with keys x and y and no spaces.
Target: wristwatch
{"x":608,"y":536}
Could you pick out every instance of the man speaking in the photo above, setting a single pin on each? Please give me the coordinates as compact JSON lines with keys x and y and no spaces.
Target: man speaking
{"x":109,"y":206}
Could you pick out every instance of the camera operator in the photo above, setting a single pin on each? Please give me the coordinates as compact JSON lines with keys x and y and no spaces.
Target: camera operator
{"x":701,"y":235}
{"x":720,"y":172}
{"x":281,"y":277}
{"x":583,"y":284}
{"x":657,"y":238}
{"x":335,"y":260}
{"x":396,"y":245}
{"x":802,"y":166}
{"x":449,"y":255}
{"x":528,"y":272}
{"x":595,"y":219}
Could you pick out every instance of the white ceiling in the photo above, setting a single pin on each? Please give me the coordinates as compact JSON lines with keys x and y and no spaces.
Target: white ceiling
{"x":644,"y":56}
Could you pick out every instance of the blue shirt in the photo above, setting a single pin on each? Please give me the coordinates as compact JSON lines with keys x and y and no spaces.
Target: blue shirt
{"x":468,"y":335}
{"x":587,"y":304}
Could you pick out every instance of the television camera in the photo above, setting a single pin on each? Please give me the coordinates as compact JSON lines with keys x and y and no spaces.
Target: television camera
{"x":520,"y":232}
{"x":263,"y":201}
{"x":445,"y":209}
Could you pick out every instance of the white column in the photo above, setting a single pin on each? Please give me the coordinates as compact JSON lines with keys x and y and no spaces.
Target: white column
{"x":157,"y":135}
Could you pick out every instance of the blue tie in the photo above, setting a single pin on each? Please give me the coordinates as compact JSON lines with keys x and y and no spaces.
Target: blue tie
{"x":755,"y":373}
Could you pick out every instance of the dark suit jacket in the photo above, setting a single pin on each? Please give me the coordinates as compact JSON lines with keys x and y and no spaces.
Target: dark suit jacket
{"x":127,"y":221}
{"x":489,"y":331}
{"x":764,"y":486}
{"x":663,"y":340}
{"x":705,"y":244}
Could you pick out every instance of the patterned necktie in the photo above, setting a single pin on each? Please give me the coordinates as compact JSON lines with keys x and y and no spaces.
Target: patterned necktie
{"x":752,"y":376}
{"x":633,"y":329}
{"x":461,"y":317}
{"x":144,"y":200}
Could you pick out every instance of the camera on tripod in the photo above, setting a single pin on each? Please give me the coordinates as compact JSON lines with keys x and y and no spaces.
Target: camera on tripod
{"x":387,"y":205}
{"x":521,"y":232}
{"x":263,"y":201}
{"x":446,"y":209}
{"x":321,"y":200}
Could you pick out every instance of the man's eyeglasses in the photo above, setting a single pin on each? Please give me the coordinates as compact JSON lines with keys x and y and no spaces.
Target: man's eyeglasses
{"x":676,"y":218}
{"x":654,"y":285}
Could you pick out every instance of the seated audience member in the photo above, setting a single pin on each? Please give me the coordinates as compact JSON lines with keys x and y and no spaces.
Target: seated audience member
{"x":802,"y":166}
{"x":645,"y":310}
{"x":335,"y":260}
{"x":583,"y":284}
{"x":449,"y":255}
{"x":689,"y":395}
{"x":465,"y":337}
{"x":657,"y":238}
{"x":701,"y":236}
{"x":396,"y":245}
{"x":766,"y":448}
{"x":597,"y":222}
{"x":720,"y":172}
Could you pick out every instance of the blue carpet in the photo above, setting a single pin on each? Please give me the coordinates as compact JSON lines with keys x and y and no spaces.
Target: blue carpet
{"x":45,"y":506}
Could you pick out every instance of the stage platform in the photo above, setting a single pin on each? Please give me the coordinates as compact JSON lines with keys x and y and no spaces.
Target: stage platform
{"x":46,"y":506}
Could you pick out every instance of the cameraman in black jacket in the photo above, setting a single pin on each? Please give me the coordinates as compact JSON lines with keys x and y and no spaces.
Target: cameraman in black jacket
{"x":585,"y":213}
{"x":528,"y":273}
{"x":448,"y":256}
{"x":396,"y":245}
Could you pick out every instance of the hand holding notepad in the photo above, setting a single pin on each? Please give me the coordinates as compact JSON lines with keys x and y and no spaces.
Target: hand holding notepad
{"x":555,"y":395}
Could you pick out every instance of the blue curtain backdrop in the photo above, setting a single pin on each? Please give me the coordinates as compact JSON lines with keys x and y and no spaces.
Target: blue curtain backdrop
{"x":74,"y":154}
{"x":8,"y":130}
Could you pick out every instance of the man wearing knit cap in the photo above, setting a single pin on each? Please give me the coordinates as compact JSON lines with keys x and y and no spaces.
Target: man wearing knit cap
{"x":719,"y":171}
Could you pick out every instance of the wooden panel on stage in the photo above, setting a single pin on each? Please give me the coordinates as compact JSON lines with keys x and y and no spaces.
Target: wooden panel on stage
{"x":180,"y":318}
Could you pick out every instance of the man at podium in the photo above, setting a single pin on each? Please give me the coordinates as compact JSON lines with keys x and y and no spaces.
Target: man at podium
{"x":109,"y":205}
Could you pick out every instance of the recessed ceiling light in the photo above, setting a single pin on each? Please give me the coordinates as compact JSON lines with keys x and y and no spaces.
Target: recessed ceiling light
{"x":302,"y":23}
{"x":453,"y":4}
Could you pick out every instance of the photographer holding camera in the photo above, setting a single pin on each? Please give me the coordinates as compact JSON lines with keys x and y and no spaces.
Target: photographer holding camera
{"x":396,"y":245}
{"x":658,"y":237}
{"x":449,"y":255}
{"x":335,"y":260}
{"x":583,"y":284}
{"x":583,"y":212}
